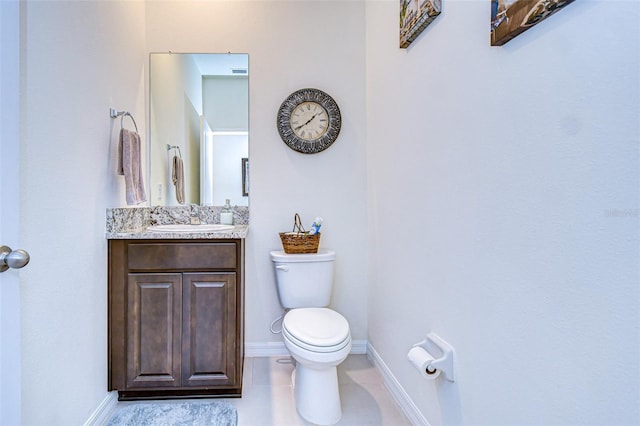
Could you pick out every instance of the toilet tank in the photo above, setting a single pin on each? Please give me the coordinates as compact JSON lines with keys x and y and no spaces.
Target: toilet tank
{"x":304,"y":280}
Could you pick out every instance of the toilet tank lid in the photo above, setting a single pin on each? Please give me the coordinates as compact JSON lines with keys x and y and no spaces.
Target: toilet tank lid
{"x":323,"y":255}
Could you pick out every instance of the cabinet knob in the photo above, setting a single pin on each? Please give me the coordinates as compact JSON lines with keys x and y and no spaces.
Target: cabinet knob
{"x":15,"y":259}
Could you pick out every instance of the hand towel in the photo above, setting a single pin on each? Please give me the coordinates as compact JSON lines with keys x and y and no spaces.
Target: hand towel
{"x":177,"y":177}
{"x":130,"y":166}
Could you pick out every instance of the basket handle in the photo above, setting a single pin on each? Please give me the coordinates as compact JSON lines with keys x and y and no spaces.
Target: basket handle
{"x":297,"y":223}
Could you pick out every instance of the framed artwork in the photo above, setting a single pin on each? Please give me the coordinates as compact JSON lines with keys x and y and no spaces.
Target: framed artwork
{"x":512,"y":17}
{"x":245,"y":177}
{"x":415,"y":16}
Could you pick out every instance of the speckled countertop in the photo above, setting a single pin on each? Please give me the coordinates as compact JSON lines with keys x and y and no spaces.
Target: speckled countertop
{"x":132,"y":223}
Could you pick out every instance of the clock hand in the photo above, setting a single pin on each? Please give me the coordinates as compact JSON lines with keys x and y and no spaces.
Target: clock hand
{"x":308,"y":121}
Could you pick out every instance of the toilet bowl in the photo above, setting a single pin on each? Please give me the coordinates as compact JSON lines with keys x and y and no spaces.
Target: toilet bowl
{"x":318,"y":338}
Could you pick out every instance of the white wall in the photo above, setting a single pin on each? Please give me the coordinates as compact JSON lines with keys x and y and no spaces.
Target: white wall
{"x":228,"y":150}
{"x":81,"y":58}
{"x":226,"y":109}
{"x":10,"y":210}
{"x":509,"y":176}
{"x":501,"y":216}
{"x":331,"y":184}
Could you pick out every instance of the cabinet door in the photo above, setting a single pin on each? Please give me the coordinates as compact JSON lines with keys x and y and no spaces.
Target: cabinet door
{"x":154,"y":330}
{"x":209,"y":329}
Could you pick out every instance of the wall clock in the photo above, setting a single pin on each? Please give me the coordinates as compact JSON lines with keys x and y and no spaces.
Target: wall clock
{"x":309,"y":121}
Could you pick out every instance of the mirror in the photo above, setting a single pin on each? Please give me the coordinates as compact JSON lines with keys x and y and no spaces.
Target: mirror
{"x":198,"y":128}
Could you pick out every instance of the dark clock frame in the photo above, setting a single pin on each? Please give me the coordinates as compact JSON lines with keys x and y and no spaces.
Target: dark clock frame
{"x":284,"y":121}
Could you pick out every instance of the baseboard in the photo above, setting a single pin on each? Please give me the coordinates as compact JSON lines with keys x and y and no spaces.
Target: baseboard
{"x":397,"y":391}
{"x":259,"y":349}
{"x":103,"y":413}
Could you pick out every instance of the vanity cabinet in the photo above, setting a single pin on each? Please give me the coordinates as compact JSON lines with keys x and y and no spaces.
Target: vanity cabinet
{"x":176,"y":318}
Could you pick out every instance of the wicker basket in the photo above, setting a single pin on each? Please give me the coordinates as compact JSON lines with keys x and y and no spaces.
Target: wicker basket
{"x":299,"y":240}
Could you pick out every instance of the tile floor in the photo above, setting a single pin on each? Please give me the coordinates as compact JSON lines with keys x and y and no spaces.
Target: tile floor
{"x":267,"y":395}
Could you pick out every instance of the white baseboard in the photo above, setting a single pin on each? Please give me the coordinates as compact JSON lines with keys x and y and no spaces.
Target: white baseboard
{"x":397,"y":391}
{"x":259,"y":349}
{"x":103,"y":413}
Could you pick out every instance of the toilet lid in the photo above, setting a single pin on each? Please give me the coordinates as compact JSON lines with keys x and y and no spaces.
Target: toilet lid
{"x":317,"y":327}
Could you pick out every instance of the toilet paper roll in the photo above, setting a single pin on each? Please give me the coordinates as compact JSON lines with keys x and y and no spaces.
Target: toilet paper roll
{"x":421,"y":360}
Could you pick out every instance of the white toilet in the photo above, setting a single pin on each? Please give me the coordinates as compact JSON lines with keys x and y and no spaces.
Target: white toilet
{"x":317,"y":337}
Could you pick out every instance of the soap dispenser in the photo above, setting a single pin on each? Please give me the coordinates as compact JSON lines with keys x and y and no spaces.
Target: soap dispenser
{"x":226,"y":215}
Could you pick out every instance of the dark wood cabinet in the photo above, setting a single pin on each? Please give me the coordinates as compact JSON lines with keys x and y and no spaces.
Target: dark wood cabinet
{"x":175,"y":318}
{"x":154,"y":310}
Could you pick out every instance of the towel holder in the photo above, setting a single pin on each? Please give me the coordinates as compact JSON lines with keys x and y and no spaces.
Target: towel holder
{"x":170,"y":147}
{"x":122,"y":114}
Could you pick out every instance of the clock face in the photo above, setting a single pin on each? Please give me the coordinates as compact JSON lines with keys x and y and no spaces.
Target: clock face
{"x":309,"y":121}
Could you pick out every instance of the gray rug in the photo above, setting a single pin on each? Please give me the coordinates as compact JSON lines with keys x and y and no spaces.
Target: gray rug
{"x":218,"y":413}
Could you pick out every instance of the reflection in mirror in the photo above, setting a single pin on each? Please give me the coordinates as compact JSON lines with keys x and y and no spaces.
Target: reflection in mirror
{"x":199,"y":128}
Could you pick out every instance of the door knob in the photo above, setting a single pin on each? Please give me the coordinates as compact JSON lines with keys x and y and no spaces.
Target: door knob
{"x":12,"y":258}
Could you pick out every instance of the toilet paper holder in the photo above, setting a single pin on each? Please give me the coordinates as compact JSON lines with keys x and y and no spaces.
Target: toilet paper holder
{"x":443,"y":353}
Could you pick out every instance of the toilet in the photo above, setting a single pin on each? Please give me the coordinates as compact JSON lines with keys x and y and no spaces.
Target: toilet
{"x":317,"y":337}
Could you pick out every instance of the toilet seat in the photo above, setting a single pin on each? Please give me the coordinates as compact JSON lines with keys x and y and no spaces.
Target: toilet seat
{"x":316,"y":329}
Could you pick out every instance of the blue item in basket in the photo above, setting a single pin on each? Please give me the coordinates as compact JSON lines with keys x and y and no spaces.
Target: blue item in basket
{"x":315,"y":228}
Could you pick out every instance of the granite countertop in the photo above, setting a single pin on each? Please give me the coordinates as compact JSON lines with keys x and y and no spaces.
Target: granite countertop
{"x":238,"y":231}
{"x":132,"y":223}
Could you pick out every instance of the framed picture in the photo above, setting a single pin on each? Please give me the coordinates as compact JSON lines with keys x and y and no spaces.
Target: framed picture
{"x":415,"y":16}
{"x":512,"y":17}
{"x":245,"y":177}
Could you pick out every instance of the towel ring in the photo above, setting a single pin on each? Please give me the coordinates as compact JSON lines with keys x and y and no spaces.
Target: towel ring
{"x":127,"y":114}
{"x":170,"y":147}
{"x":114,"y":113}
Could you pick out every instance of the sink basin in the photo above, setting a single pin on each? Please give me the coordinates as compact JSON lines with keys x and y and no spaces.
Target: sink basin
{"x":190,"y":228}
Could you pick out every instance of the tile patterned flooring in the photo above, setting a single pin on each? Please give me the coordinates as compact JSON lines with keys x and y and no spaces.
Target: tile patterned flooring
{"x":267,"y":395}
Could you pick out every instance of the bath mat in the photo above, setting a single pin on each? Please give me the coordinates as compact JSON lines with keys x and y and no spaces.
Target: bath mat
{"x":218,"y":413}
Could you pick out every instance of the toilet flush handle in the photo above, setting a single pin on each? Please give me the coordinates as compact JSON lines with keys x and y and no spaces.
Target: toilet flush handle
{"x":284,"y":268}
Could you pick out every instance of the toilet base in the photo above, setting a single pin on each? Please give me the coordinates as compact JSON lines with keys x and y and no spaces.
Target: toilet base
{"x":317,"y":394}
